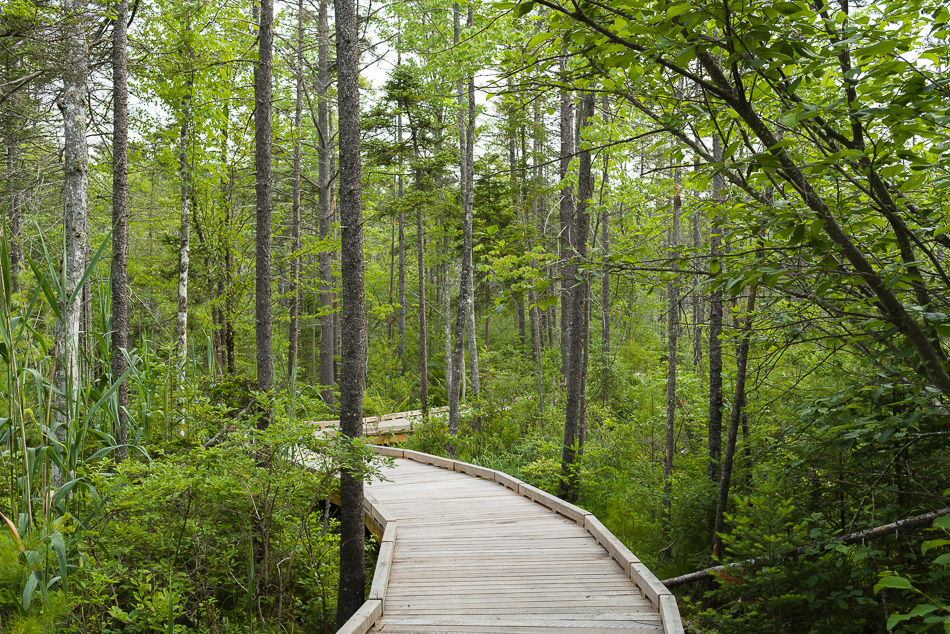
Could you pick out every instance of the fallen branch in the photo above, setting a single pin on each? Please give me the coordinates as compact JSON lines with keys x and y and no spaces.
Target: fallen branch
{"x":852,"y":538}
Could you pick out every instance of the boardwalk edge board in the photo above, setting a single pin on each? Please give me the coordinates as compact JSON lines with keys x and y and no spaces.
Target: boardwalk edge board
{"x":364,"y":618}
{"x":658,"y":594}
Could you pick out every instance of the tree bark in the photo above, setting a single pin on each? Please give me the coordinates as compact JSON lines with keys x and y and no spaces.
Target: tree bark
{"x":738,"y":403}
{"x":672,"y":291}
{"x":353,"y":320}
{"x":566,"y":236}
{"x":715,"y":329}
{"x":327,"y":321}
{"x":262,"y":162}
{"x":423,"y":348}
{"x":569,"y":486}
{"x":467,"y":229}
{"x":120,"y":217}
{"x":74,"y":105}
{"x":401,"y":350}
{"x":295,"y":299}
{"x":13,"y":123}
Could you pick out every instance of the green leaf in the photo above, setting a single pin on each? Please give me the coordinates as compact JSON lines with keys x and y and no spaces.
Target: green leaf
{"x":28,"y":591}
{"x":524,"y":9}
{"x":893,"y":581}
{"x":676,"y":9}
{"x":788,"y":8}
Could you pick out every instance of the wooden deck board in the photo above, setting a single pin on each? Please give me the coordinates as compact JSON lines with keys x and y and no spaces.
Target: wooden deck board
{"x":473,"y":556}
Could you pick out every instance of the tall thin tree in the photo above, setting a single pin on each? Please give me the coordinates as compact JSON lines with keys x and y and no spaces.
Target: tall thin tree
{"x":353,"y":321}
{"x":325,"y":218}
{"x":715,"y":328}
{"x":566,"y":236}
{"x":74,"y":106}
{"x":672,"y":334}
{"x":262,"y":163}
{"x":569,"y":486}
{"x":295,"y":299}
{"x":120,"y":217}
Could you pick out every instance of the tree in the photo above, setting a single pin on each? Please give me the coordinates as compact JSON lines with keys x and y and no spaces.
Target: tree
{"x":353,"y":319}
{"x":120,"y":215}
{"x":575,"y":375}
{"x":325,"y":219}
{"x":262,"y":163}
{"x":73,"y":106}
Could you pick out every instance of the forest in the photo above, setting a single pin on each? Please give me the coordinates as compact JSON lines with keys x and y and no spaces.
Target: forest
{"x":683,"y":263}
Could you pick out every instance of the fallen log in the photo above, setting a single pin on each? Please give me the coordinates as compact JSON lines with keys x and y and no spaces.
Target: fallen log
{"x":910,"y":523}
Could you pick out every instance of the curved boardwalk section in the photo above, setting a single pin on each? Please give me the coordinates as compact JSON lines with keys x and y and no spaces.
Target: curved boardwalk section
{"x":475,"y":553}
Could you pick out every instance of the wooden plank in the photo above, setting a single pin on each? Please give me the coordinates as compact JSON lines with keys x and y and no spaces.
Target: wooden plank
{"x":389,"y":535}
{"x":614,"y":546}
{"x":554,"y":503}
{"x":384,"y":564}
{"x":508,"y":481}
{"x":363,"y":619}
{"x":388,"y":451}
{"x":648,"y":582}
{"x":475,"y":470}
{"x":670,"y":615}
{"x":426,"y":458}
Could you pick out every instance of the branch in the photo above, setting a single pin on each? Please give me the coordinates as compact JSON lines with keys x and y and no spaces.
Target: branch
{"x":852,"y":538}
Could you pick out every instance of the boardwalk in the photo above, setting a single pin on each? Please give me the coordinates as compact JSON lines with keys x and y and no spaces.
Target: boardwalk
{"x":473,"y":552}
{"x":389,"y":428}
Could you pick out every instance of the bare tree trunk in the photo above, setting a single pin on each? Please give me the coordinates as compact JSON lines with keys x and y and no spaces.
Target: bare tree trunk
{"x":738,"y":403}
{"x":697,"y":303}
{"x":13,"y":123}
{"x":566,"y":236}
{"x":470,"y":178}
{"x":672,"y":333}
{"x":73,"y":104}
{"x":401,"y":349}
{"x":570,"y":484}
{"x":715,"y":332}
{"x":353,"y":320}
{"x":295,"y":299}
{"x":423,"y":347}
{"x":184,"y":248}
{"x":262,"y":162}
{"x":120,"y":217}
{"x":447,"y":310}
{"x":465,"y":302}
{"x":327,"y":318}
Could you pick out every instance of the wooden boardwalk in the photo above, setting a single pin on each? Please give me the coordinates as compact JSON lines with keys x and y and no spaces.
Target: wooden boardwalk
{"x":468,"y":549}
{"x":389,"y":428}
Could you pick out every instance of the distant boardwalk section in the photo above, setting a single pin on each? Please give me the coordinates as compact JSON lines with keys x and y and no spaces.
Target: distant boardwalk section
{"x":469,"y":549}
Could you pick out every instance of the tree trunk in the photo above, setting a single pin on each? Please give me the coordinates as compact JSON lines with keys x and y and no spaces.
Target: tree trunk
{"x":672,"y":332}
{"x":295,"y":299}
{"x":738,"y":403}
{"x":12,"y":131}
{"x":566,"y":236}
{"x":184,"y":248}
{"x":465,"y":300}
{"x":697,"y":303}
{"x":715,"y":331}
{"x":262,"y":162}
{"x":120,"y":216}
{"x":423,"y":348}
{"x":447,"y":310}
{"x":74,"y":105}
{"x":353,"y":321}
{"x":569,"y":486}
{"x":327,"y":317}
{"x":467,"y":229}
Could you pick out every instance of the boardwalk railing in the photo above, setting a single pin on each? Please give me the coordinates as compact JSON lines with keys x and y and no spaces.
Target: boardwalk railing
{"x":660,"y":596}
{"x":388,"y":427}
